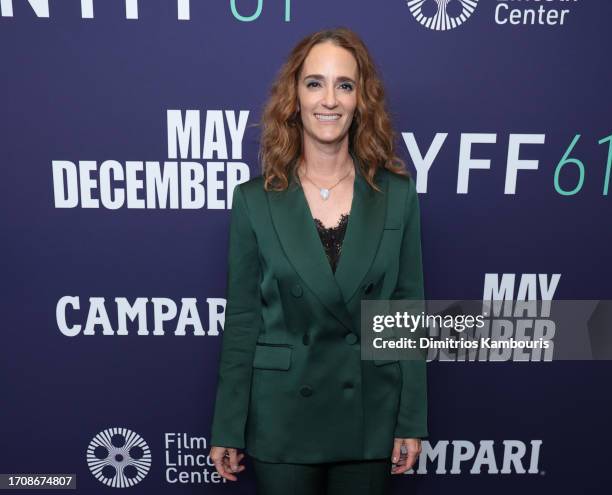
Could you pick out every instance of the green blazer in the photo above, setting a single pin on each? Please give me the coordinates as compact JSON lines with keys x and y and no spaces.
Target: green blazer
{"x":292,"y":386}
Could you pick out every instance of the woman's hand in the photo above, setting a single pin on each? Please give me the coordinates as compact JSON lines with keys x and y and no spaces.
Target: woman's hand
{"x":405,"y":452}
{"x":227,"y":461}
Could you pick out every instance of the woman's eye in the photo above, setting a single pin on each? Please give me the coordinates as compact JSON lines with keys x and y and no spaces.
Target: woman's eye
{"x":345,"y":86}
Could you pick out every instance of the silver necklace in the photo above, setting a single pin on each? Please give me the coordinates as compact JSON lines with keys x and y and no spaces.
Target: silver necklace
{"x":325,"y":191}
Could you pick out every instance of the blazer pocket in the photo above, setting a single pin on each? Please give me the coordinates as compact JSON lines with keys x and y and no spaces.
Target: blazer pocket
{"x":382,"y":362}
{"x":272,"y":357}
{"x":392,"y":225}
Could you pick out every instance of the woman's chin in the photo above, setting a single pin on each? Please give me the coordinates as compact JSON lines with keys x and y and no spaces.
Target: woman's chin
{"x":329,"y":138}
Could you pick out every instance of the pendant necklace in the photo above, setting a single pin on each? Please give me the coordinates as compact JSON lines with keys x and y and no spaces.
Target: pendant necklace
{"x":326,"y":191}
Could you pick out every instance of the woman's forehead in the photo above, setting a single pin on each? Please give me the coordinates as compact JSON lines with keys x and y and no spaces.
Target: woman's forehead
{"x":327,"y":59}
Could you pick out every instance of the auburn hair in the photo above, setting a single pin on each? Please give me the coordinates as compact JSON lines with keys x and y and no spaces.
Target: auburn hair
{"x":371,"y":136}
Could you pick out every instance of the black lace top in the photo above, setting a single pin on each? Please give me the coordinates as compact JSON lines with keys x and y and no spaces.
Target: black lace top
{"x":332,"y":238}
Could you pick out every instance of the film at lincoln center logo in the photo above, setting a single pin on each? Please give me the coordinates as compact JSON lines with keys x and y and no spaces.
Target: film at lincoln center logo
{"x":118,"y":457}
{"x":443,"y":14}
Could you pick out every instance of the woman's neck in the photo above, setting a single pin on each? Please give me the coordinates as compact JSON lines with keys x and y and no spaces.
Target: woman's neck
{"x":326,"y":162}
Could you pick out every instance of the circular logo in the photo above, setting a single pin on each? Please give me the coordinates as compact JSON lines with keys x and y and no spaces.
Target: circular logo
{"x":441,"y":15}
{"x":118,"y":457}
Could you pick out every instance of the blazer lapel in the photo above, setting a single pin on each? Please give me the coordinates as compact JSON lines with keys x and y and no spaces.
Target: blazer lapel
{"x":297,"y":232}
{"x":363,"y":234}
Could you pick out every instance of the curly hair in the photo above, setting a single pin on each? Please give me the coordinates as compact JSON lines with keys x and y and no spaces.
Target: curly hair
{"x":371,"y":136}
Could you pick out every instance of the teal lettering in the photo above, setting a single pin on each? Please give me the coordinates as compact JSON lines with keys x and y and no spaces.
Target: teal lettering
{"x":608,"y":164}
{"x":244,"y":18}
{"x":564,"y":161}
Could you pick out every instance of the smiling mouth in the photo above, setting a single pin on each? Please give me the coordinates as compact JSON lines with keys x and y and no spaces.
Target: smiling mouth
{"x":327,"y":117}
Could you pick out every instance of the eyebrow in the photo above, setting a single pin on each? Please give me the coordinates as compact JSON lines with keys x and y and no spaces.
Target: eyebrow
{"x":338,"y":79}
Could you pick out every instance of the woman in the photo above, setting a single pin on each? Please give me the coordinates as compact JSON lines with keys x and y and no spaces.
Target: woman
{"x":333,"y":220}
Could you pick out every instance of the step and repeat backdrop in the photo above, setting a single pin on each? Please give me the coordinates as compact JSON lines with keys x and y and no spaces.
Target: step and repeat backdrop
{"x":125,"y":124}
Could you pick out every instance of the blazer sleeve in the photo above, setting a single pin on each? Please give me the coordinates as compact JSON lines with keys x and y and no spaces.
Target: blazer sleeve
{"x":412,"y":416}
{"x":242,"y":324}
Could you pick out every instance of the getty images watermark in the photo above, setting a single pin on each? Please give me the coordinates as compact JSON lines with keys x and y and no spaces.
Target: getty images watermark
{"x":476,"y":330}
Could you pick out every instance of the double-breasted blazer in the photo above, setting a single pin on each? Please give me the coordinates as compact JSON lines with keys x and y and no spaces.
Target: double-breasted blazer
{"x":292,"y":386}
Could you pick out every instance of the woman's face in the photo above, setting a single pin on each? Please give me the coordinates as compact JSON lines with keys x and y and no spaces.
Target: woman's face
{"x":327,"y":93}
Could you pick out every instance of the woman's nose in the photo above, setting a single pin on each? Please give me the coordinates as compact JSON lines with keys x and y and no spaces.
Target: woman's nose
{"x":330,"y":97}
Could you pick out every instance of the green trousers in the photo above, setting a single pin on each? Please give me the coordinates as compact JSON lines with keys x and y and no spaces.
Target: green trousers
{"x":334,"y":478}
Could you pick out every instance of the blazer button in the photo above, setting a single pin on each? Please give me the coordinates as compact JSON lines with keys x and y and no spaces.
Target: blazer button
{"x":350,"y":338}
{"x":305,"y":339}
{"x":306,"y":391}
{"x":368,"y":288}
{"x":296,"y":290}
